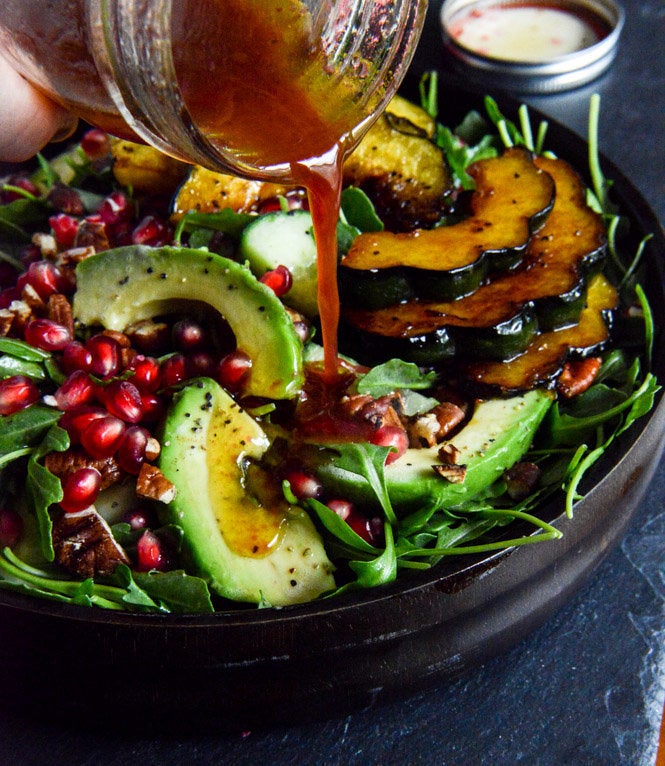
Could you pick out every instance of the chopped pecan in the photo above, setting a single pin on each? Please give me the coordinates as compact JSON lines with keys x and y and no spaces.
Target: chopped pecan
{"x":64,"y":199}
{"x":455,"y":474}
{"x":62,"y":464}
{"x":521,"y":479}
{"x":69,"y":259}
{"x":6,"y":322}
{"x":119,"y":337}
{"x":33,"y":299}
{"x":302,"y":325}
{"x":577,"y":376}
{"x":152,"y":449}
{"x":149,"y":337}
{"x":59,"y":310}
{"x":92,"y":234}
{"x":152,"y":484}
{"x":84,"y":544}
{"x":431,"y":427}
{"x":46,"y":243}
{"x":22,"y":313}
{"x":449,"y":454}
{"x":384,"y":411}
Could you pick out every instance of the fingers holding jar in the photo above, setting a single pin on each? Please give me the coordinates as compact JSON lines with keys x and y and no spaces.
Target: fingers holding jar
{"x":28,"y":119}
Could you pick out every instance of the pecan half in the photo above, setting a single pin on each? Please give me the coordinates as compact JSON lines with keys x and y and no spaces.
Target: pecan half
{"x":60,"y":311}
{"x":153,"y":485}
{"x":62,"y":464}
{"x":84,"y":544}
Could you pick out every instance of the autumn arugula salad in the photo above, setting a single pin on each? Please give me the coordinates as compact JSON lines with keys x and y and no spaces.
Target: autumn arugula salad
{"x":169,"y":441}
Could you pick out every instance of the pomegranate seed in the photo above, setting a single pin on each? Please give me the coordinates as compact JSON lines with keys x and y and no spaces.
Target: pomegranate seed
{"x":122,"y":399}
{"x":394,"y":437}
{"x":150,"y":553}
{"x":131,"y":450}
{"x":76,"y":391}
{"x":30,"y":253}
{"x":303,"y":484}
{"x":7,"y":296}
{"x":64,"y":199}
{"x":200,"y":364}
{"x":188,"y":335}
{"x":11,"y":527}
{"x":64,"y":229}
{"x":20,"y":182}
{"x":139,"y":518}
{"x":147,"y":373}
{"x":17,"y":393}
{"x":233,"y":369}
{"x":279,"y":280}
{"x":46,"y":335}
{"x":80,"y":489}
{"x":151,"y":231}
{"x":115,"y":209}
{"x":295,"y":200}
{"x":75,"y":356}
{"x":46,"y":278}
{"x":105,"y":352}
{"x":102,"y":436}
{"x":76,"y":421}
{"x":370,"y":530}
{"x":343,"y":508}
{"x":95,"y":143}
{"x":153,"y":408}
{"x":174,"y":370}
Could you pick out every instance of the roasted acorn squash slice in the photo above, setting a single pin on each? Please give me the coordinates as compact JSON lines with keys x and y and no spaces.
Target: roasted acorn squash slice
{"x":545,"y":357}
{"x":497,"y":321}
{"x":511,"y":201}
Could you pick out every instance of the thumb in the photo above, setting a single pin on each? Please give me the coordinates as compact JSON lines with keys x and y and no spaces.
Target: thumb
{"x":28,"y":119}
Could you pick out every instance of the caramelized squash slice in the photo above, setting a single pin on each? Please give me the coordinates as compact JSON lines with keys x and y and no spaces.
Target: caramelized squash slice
{"x":511,"y":201}
{"x":145,"y":169}
{"x":401,"y":169}
{"x":545,"y":357}
{"x":497,"y":321}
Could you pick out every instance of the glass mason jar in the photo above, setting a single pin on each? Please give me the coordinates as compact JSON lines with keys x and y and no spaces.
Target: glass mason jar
{"x":242,"y":86}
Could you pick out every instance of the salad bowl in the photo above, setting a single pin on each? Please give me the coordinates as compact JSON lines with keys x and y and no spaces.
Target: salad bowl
{"x":248,"y":667}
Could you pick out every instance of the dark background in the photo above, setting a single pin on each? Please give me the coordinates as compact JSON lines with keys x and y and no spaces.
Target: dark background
{"x":587,"y":687}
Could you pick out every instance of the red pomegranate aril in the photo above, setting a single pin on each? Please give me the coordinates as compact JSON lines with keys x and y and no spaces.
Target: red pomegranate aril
{"x":343,"y":508}
{"x":8,"y":295}
{"x":279,"y":280}
{"x":139,"y":518}
{"x":362,"y":526}
{"x":233,"y":369}
{"x":150,"y":553}
{"x":75,"y":356}
{"x":147,"y":375}
{"x":75,"y":421}
{"x":304,"y":484}
{"x":188,"y":335}
{"x":105,"y":355}
{"x":122,"y":399}
{"x":64,"y":199}
{"x":200,"y":363}
{"x":17,"y":393}
{"x":11,"y":527}
{"x":295,"y":200}
{"x":102,"y":436}
{"x":46,"y":278}
{"x":64,"y":229}
{"x":80,"y":489}
{"x":46,"y":334}
{"x":391,"y":436}
{"x":95,"y":143}
{"x":115,"y":209}
{"x":19,"y":182}
{"x":75,"y":391}
{"x":153,"y":408}
{"x":174,"y":370}
{"x":131,"y":450}
{"x":151,"y":231}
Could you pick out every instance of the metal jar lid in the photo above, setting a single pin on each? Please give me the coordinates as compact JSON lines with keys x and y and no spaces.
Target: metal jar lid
{"x":550,"y":75}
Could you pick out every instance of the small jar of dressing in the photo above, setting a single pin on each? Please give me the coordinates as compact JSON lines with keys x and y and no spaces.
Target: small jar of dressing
{"x":531,"y":46}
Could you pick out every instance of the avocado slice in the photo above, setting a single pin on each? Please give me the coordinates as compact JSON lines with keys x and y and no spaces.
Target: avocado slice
{"x":249,"y":549}
{"x":495,"y":438}
{"x":118,"y":287}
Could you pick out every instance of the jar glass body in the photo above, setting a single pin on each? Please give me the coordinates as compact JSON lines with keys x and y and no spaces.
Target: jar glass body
{"x":246,"y":86}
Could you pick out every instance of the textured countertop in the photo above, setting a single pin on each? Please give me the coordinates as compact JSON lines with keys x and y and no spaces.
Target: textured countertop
{"x":587,"y":687}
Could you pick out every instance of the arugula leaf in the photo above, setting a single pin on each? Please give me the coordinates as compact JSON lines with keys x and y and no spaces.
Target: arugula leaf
{"x":380,"y":570}
{"x":359,"y":210}
{"x":43,"y":488}
{"x":26,"y":427}
{"x":393,"y":375}
{"x":176,"y":590}
{"x":226,"y":220}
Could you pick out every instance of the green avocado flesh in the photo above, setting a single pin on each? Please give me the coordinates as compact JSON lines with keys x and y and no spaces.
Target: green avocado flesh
{"x":247,"y":549}
{"x":119,"y":287}
{"x":497,"y":435}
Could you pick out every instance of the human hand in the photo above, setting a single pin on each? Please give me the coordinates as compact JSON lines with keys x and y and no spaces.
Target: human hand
{"x":28,"y":119}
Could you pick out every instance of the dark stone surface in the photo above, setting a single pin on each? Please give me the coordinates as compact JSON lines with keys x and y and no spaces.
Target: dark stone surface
{"x":587,"y":687}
